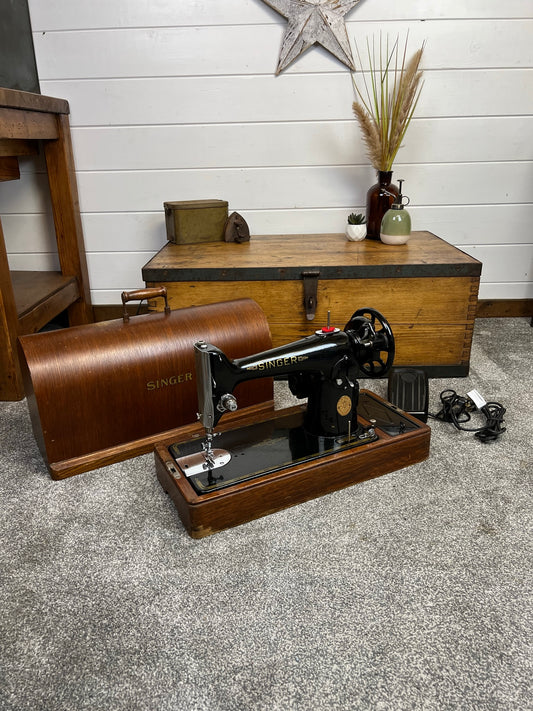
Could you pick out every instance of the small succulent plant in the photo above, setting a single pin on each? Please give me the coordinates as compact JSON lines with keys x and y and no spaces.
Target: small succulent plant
{"x":358,"y":219}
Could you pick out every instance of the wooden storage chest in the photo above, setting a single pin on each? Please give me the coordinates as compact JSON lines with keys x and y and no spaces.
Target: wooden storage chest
{"x":427,"y":289}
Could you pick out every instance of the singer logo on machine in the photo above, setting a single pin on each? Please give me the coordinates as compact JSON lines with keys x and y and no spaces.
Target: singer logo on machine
{"x":278,"y":362}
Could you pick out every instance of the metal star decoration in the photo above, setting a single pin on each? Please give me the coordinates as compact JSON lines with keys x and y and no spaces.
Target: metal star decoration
{"x":314,"y":22}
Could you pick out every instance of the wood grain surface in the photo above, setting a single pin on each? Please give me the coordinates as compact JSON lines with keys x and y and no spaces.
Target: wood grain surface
{"x":426,"y":289}
{"x":29,"y":119}
{"x":11,"y":387}
{"x":94,"y":389}
{"x":32,"y":102}
{"x":286,"y":256}
{"x":203,"y":515}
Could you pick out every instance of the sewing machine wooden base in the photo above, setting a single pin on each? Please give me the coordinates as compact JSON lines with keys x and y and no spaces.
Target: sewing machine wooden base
{"x":402,"y":440}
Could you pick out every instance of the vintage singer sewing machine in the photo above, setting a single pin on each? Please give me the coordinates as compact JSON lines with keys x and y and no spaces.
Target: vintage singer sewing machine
{"x":341,"y":436}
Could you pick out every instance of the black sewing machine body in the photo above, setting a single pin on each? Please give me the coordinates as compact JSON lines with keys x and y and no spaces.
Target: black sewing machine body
{"x":339,"y":437}
{"x":322,"y":368}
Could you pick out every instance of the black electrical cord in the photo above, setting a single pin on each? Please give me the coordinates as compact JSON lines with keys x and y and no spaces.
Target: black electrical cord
{"x":456,"y":409}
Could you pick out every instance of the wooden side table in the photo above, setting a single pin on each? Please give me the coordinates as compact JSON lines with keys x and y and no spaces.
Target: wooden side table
{"x":29,"y":300}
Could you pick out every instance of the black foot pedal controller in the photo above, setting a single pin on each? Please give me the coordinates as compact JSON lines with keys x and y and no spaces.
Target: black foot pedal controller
{"x":408,"y":390}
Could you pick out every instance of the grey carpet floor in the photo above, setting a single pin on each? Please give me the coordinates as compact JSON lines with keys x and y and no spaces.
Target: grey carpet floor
{"x":410,"y":591}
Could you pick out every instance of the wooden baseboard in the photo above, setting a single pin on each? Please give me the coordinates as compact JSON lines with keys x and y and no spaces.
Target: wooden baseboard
{"x":486,"y":308}
{"x":504,"y":308}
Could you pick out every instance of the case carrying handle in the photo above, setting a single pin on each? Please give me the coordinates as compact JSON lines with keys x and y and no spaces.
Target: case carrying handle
{"x":140,"y":294}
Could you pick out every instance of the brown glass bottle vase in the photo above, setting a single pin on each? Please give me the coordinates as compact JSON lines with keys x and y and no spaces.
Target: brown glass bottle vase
{"x":378,"y":200}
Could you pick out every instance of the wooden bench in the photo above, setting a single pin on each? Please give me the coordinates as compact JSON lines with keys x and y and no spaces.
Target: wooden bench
{"x":29,"y":300}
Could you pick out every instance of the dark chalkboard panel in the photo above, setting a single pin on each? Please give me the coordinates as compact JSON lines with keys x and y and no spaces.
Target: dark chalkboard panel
{"x":18,"y":69}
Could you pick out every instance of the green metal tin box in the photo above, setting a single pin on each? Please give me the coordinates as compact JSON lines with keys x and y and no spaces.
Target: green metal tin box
{"x":194,"y":221}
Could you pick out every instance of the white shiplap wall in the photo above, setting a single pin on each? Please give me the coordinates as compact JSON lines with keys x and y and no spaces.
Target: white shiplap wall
{"x":177,"y":100}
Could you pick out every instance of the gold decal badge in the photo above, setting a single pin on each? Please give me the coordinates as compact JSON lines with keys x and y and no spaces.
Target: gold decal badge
{"x":171,"y":380}
{"x":344,"y":405}
{"x":281,"y":362}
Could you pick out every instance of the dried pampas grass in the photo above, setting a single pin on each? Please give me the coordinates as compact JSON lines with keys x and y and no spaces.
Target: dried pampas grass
{"x":385,"y":105}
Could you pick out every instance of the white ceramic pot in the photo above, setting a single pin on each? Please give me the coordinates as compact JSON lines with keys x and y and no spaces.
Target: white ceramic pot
{"x":355,"y":233}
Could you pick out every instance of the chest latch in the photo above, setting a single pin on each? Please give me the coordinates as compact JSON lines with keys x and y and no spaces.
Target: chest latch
{"x":310,"y":280}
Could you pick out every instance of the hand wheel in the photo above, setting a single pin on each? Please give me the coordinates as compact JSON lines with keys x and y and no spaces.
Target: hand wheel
{"x":374,"y":338}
